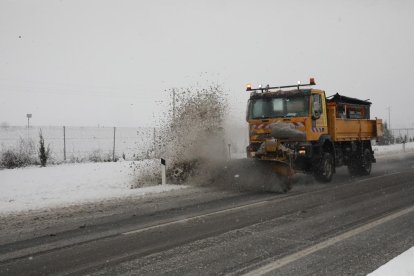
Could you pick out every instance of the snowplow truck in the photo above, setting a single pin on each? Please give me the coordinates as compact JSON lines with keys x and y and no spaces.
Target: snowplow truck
{"x":299,"y":129}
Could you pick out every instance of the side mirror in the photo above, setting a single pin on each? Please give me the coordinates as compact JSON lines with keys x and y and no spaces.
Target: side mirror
{"x":316,"y":114}
{"x":316,"y":110}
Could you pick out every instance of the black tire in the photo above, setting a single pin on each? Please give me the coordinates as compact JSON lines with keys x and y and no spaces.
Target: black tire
{"x":366,"y":164}
{"x":353,"y":169}
{"x":362,"y":166}
{"x":325,"y":169}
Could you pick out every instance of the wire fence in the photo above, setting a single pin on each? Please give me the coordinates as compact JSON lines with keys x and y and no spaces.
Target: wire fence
{"x":78,"y":144}
{"x":403,"y":134}
{"x":83,"y":143}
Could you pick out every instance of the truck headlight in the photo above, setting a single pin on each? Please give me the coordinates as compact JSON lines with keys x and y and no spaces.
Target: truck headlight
{"x":302,"y":151}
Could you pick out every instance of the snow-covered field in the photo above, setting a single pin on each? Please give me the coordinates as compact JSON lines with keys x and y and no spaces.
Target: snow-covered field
{"x":393,"y":149}
{"x":34,"y":188}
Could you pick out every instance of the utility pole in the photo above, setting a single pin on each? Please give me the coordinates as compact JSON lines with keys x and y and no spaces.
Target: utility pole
{"x":113,"y":149}
{"x":389,"y":117}
{"x":64,"y":143}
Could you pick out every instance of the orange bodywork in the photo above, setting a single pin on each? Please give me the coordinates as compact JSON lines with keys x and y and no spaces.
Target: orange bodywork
{"x":289,"y":143}
{"x":352,"y":129}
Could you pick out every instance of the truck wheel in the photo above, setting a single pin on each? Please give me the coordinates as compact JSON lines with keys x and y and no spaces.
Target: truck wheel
{"x":353,"y":169}
{"x":366,"y":163}
{"x":361,"y":166}
{"x":325,"y":169}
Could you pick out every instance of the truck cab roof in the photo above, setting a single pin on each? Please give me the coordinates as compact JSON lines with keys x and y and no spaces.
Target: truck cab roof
{"x":282,"y":93}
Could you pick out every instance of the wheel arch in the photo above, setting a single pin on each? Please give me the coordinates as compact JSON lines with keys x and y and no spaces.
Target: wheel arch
{"x":327,"y":145}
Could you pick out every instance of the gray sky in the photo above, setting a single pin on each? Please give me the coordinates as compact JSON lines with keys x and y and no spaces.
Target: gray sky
{"x":109,"y":62}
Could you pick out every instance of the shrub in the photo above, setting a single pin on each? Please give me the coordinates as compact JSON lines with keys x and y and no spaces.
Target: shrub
{"x":44,"y":152}
{"x":10,"y":159}
{"x":96,"y":156}
{"x":21,"y":155}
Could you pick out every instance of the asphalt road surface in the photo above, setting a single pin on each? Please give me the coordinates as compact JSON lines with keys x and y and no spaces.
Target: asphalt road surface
{"x":350,"y":226}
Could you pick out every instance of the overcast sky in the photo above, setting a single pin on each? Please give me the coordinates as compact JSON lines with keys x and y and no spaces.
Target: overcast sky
{"x":85,"y":63}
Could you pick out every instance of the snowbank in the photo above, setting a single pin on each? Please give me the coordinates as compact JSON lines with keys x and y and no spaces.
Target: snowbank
{"x":34,"y":188}
{"x":399,"y":266}
{"x":391,"y":149}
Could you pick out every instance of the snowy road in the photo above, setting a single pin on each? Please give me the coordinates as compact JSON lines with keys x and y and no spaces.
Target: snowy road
{"x":351,"y":226}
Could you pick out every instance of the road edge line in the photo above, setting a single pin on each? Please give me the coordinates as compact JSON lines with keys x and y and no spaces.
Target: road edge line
{"x":329,"y":242}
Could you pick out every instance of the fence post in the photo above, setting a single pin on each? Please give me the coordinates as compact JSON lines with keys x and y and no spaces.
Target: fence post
{"x":154,"y":145}
{"x":64,"y":143}
{"x":113,"y":150}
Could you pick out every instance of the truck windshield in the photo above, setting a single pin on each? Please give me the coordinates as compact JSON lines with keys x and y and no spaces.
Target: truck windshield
{"x":297,"y":106}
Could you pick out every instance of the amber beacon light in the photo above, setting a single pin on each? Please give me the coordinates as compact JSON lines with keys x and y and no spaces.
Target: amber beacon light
{"x":312,"y":81}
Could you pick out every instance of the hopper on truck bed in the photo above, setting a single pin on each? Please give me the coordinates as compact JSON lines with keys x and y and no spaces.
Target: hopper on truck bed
{"x":349,"y":119}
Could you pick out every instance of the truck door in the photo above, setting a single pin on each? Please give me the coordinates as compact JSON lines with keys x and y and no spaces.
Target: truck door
{"x":319,"y":119}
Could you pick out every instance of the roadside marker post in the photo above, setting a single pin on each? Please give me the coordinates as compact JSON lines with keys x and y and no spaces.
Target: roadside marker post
{"x":113,"y":148}
{"x":64,"y":143}
{"x":163,"y":172}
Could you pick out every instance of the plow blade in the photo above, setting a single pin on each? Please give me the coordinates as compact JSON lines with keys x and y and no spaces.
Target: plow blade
{"x":282,"y":169}
{"x":250,"y":174}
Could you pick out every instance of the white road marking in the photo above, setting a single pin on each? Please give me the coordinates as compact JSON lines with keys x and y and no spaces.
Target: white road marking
{"x":312,"y":249}
{"x":197,"y":217}
{"x":379,"y":176}
{"x":238,"y":208}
